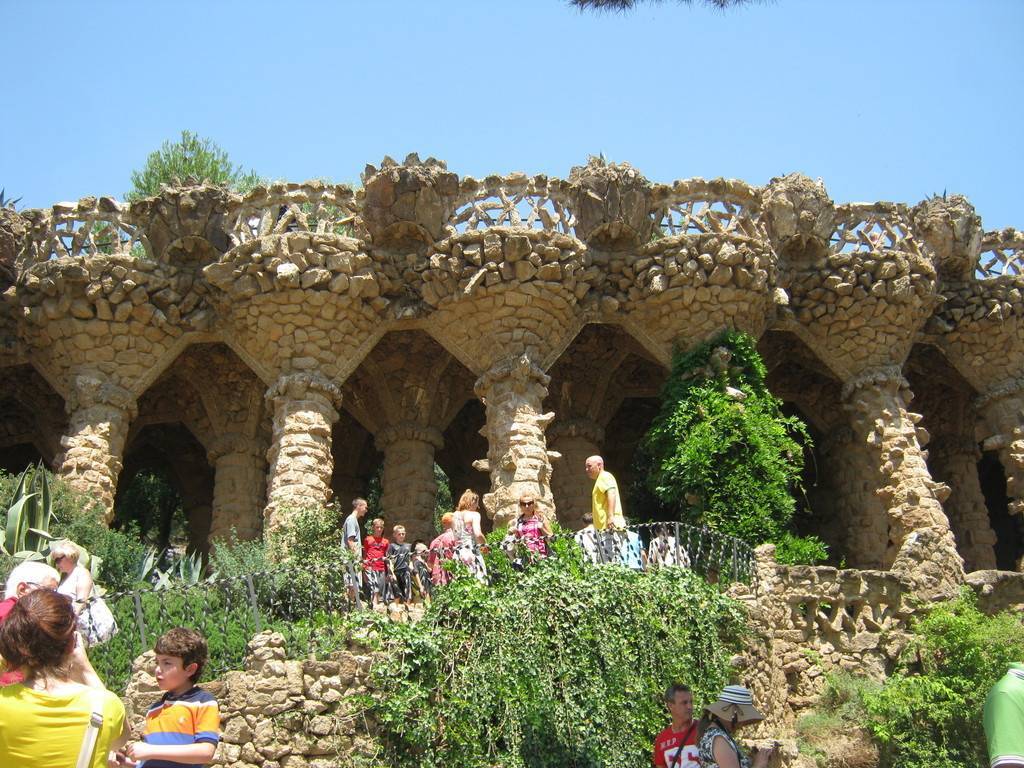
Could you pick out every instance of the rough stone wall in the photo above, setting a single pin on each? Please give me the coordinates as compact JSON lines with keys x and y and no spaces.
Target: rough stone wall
{"x":278,"y":713}
{"x":305,"y":284}
{"x":808,"y":621}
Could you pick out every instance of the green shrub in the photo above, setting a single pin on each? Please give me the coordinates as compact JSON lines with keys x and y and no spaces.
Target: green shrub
{"x":562,"y":664}
{"x":836,"y":732}
{"x":722,"y":454}
{"x":79,"y":517}
{"x":235,"y":557}
{"x":929,"y":712}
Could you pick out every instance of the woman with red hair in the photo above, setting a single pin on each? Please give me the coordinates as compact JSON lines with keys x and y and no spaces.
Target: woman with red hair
{"x":49,"y":720}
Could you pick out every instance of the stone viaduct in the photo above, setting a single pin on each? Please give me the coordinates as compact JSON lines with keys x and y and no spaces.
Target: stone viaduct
{"x":276,"y":349}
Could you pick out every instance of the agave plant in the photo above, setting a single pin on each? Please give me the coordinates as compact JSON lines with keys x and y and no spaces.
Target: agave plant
{"x":6,"y":202}
{"x":29,"y":516}
{"x":184,"y":570}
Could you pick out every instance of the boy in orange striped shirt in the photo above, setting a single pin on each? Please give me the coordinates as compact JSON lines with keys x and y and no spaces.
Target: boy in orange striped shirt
{"x":183,"y":728}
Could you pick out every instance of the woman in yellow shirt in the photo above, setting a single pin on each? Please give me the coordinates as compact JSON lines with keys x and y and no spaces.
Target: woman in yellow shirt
{"x":43,"y":720}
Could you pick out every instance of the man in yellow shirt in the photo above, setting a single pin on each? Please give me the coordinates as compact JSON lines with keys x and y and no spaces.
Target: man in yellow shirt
{"x":605,"y":503}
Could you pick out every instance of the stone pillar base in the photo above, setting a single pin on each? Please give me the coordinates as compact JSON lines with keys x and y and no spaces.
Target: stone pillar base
{"x":408,"y":489}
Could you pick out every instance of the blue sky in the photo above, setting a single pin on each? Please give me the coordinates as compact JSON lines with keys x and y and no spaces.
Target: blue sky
{"x":883,"y":100}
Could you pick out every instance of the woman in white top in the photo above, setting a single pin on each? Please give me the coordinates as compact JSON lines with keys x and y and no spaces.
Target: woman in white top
{"x":468,"y":534}
{"x":75,"y":581}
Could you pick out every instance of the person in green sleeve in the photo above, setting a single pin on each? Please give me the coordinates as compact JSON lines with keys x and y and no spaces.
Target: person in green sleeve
{"x":1003,"y":717}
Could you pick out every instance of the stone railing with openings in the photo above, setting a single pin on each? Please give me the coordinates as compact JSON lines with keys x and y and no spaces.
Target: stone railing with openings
{"x":90,"y":227}
{"x":700,"y":207}
{"x":1002,"y":253}
{"x":516,"y":200}
{"x":287,"y":207}
{"x":873,"y":227}
{"x":827,"y":602}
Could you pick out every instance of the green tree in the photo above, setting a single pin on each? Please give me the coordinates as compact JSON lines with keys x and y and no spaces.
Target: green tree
{"x":150,"y":501}
{"x":723,"y":454}
{"x":190,"y":160}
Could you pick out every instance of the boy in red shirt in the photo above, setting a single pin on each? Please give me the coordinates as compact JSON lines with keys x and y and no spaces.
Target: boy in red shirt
{"x":375,"y":568}
{"x":676,"y":746}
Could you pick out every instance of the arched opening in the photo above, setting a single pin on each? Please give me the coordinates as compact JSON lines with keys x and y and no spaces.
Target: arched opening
{"x":203,"y":430}
{"x":166,"y":489}
{"x":1008,"y":529}
{"x":838,"y":504}
{"x":945,"y":401}
{"x":32,"y":419}
{"x":464,"y":443}
{"x":399,"y":403}
{"x":604,"y":392}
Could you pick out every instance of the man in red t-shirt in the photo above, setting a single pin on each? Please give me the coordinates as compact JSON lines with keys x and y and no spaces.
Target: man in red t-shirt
{"x":676,"y":746}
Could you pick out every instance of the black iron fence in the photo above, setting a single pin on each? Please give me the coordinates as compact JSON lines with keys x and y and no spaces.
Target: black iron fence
{"x":306,"y":603}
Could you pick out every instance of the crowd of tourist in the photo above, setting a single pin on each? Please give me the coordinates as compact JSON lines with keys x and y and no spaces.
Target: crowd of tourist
{"x":393,"y":570}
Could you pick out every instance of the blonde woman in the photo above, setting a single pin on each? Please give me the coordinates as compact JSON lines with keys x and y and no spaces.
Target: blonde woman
{"x":469,"y":537}
{"x":95,"y":621}
{"x":75,"y":581}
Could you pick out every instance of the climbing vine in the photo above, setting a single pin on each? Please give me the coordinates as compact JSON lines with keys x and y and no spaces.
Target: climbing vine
{"x":721,"y":453}
{"x":563,"y":665}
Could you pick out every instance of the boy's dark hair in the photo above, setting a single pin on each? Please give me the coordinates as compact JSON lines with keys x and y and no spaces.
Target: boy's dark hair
{"x":588,"y":518}
{"x":187,"y":644}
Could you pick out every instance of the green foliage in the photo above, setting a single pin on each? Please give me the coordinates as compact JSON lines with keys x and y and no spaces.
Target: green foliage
{"x":444,"y":501}
{"x":235,"y":557}
{"x":119,"y":552}
{"x":113,"y":556}
{"x":150,"y":501}
{"x":835,"y":733}
{"x":563,"y":664}
{"x":723,"y":454}
{"x":190,"y":160}
{"x":29,"y":517}
{"x":929,"y":712}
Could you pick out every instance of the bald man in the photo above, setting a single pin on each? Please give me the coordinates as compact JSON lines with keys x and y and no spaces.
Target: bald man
{"x":605,"y":503}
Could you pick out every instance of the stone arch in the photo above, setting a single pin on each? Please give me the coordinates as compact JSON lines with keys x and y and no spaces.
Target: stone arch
{"x":840,"y":505}
{"x":1008,"y":528}
{"x":405,"y":393}
{"x":603,"y":375}
{"x":210,"y":392}
{"x":464,"y":443}
{"x":32,"y":419}
{"x":172,"y":451}
{"x":945,"y":400}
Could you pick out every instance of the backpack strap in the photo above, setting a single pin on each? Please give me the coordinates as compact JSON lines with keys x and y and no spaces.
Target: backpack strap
{"x":92,"y":730}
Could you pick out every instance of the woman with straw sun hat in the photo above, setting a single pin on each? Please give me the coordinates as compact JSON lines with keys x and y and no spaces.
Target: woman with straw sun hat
{"x":716,"y":746}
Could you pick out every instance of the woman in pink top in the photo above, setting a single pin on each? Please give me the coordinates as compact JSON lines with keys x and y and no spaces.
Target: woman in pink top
{"x":531,"y":528}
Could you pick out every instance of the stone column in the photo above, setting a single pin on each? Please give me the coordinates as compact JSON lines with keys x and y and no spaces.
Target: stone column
{"x":860,"y":527}
{"x":517,"y":457}
{"x":1002,"y":409}
{"x":305,"y":409}
{"x":238,"y":486}
{"x":100,"y":414}
{"x":576,"y":440}
{"x":920,"y":544}
{"x":955,"y":462}
{"x":408,"y":490}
